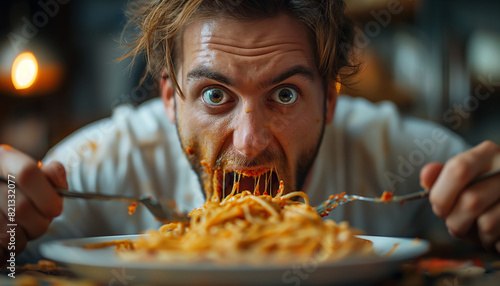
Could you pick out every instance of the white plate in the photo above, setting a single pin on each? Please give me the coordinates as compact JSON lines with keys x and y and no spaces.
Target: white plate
{"x":104,"y":266}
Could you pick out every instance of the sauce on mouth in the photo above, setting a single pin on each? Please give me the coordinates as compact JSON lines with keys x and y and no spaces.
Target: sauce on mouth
{"x":228,"y":182}
{"x":220,"y":180}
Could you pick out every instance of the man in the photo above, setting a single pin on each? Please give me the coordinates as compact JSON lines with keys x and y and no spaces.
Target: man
{"x":249,"y":87}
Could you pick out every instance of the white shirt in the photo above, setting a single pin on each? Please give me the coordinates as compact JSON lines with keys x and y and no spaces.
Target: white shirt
{"x":367,"y":149}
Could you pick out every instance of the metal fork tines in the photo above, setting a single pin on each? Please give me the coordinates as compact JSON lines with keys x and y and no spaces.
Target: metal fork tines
{"x":324,"y":208}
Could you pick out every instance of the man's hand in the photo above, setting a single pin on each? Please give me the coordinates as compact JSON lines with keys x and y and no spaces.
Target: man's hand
{"x":36,"y":200}
{"x":470,"y":211}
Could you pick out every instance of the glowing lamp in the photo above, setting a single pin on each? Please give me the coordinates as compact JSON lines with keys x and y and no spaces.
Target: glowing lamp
{"x":24,"y":70}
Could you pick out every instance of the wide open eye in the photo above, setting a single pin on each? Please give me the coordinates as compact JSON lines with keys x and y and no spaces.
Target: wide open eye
{"x":215,"y":96}
{"x":285,"y":95}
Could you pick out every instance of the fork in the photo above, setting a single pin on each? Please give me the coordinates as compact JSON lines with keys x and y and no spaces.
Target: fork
{"x":325,"y":207}
{"x":152,"y":204}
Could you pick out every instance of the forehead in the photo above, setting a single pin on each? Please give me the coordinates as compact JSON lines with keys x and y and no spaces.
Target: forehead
{"x":239,"y":46}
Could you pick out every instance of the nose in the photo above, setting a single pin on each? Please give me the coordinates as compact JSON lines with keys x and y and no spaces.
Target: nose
{"x":251,"y":135}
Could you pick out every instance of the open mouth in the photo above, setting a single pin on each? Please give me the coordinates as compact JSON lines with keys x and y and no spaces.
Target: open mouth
{"x":258,"y":182}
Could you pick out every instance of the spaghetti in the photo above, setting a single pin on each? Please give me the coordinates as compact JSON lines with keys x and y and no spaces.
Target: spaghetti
{"x":249,"y":229}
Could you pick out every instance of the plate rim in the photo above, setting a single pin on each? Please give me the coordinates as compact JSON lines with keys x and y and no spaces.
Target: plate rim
{"x":46,"y":249}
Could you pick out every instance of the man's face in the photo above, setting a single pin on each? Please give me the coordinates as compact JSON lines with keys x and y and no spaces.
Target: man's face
{"x":254,"y":102}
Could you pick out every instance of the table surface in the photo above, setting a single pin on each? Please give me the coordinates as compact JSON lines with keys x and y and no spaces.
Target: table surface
{"x":438,"y":268}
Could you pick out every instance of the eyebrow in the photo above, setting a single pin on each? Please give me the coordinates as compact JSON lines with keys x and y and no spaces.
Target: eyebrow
{"x":295,"y":70}
{"x":205,"y":72}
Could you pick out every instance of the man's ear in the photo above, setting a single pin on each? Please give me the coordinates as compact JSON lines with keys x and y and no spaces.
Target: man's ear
{"x":168,"y":96}
{"x":331,"y":102}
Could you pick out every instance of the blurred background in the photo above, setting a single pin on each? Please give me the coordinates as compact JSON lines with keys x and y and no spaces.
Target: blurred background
{"x":437,"y":60}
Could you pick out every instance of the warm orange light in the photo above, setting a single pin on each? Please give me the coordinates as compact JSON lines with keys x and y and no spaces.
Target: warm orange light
{"x":338,"y":85}
{"x":24,"y":70}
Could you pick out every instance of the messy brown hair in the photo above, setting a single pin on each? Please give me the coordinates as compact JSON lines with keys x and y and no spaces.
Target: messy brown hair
{"x":157,"y":24}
